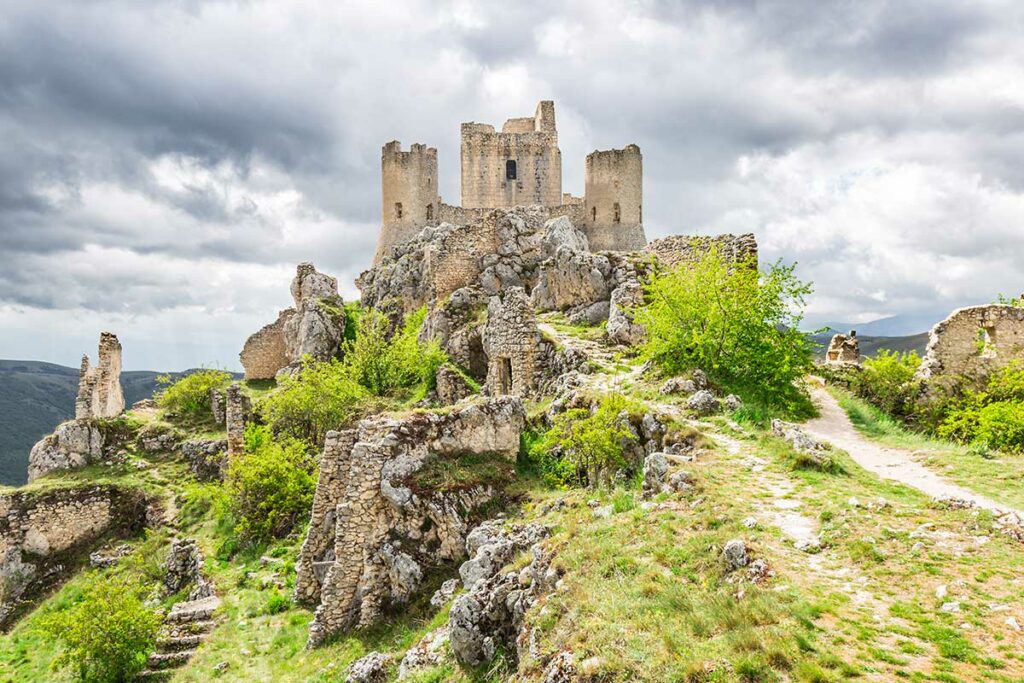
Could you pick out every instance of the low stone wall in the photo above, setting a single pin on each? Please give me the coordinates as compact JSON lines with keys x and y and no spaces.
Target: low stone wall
{"x":44,"y":535}
{"x":970,"y":344}
{"x":265,"y":351}
{"x":373,"y":533}
{"x":676,"y":249}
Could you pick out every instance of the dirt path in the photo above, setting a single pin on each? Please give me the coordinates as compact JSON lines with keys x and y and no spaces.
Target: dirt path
{"x":835,"y":427}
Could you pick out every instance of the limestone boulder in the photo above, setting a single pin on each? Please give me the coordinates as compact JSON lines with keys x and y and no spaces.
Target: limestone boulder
{"x":373,"y":668}
{"x":703,"y":402}
{"x":571,"y":278}
{"x":621,"y":326}
{"x":73,"y":444}
{"x":559,"y":232}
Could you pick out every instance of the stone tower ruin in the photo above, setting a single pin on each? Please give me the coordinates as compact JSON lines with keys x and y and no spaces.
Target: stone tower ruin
{"x":613,"y":206}
{"x":99,"y":388}
{"x":521,"y":165}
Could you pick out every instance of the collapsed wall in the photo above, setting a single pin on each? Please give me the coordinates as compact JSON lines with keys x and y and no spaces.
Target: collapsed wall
{"x":99,"y":388}
{"x":970,"y":344}
{"x":44,"y":534}
{"x":315,"y":326}
{"x":376,"y":528}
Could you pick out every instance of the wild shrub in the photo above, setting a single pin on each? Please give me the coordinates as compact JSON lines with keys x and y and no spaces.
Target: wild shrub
{"x":992,"y":418}
{"x":308,"y":404}
{"x":739,"y":325}
{"x":887,"y":381}
{"x":386,"y":366}
{"x":270,"y":485}
{"x":584,"y":447}
{"x":107,"y":635}
{"x":189,"y":396}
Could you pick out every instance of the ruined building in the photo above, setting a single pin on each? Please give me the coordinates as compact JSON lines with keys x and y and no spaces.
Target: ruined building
{"x":843,"y":349}
{"x":521,"y":165}
{"x":99,"y":388}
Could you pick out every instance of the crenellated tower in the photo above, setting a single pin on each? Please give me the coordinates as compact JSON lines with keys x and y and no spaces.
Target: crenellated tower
{"x":409,"y":197}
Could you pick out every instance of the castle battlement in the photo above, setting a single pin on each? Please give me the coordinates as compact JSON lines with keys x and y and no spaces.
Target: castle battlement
{"x":521,"y":165}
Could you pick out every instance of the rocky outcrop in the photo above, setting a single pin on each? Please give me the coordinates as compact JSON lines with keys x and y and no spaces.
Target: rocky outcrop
{"x":72,"y":445}
{"x":315,"y":326}
{"x":571,"y":278}
{"x":45,"y":535}
{"x":679,"y":249}
{"x":99,"y":388}
{"x":843,"y":349}
{"x":375,"y":528}
{"x":621,"y":327}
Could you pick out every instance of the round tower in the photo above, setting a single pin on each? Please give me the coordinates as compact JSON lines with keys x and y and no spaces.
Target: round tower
{"x":408,"y":193}
{"x":613,"y":200}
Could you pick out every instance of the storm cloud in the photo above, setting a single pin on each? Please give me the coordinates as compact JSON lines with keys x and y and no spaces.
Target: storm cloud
{"x":163,"y":165}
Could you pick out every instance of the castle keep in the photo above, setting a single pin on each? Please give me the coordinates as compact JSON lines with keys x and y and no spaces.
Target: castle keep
{"x":519,"y":166}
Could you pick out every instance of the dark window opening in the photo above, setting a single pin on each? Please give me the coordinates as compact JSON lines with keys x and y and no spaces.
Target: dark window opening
{"x":593,"y":214}
{"x":641,"y":207}
{"x":398,"y":211}
{"x":510,"y":169}
{"x":430,"y":212}
{"x":504,"y":376}
{"x":618,"y":213}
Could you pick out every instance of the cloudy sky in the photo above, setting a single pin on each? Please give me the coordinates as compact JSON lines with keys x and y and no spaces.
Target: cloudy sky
{"x":164,"y":165}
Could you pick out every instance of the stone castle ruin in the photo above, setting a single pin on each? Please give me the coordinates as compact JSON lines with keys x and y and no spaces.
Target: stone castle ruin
{"x":843,"y":349}
{"x":521,"y":165}
{"x":99,"y":388}
{"x":970,"y":344}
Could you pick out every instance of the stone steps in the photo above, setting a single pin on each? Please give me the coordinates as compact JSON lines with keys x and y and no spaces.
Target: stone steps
{"x":185,"y":628}
{"x":179,"y":643}
{"x":169,"y":660}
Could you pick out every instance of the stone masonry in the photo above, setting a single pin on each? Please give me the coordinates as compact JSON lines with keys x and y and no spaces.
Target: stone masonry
{"x":99,"y":388}
{"x":511,"y":341}
{"x":970,"y":344}
{"x":237,"y":413}
{"x":844,"y":349}
{"x":373,"y":532}
{"x":315,"y":327}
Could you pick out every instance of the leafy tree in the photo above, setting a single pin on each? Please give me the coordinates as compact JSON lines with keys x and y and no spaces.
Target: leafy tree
{"x":1017,"y":301}
{"x":270,"y":485}
{"x":584,"y":447}
{"x":887,"y":381}
{"x":190,"y":395}
{"x":107,"y":635}
{"x":738,"y":325}
{"x":384,"y":365}
{"x":992,"y":418}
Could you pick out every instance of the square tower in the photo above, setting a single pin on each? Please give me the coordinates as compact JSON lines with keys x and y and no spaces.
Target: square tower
{"x":519,"y":166}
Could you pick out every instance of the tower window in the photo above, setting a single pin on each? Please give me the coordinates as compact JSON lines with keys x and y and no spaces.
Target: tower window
{"x":641,"y":208}
{"x":618,"y":213}
{"x":593,"y":214}
{"x":510,"y":169}
{"x":398,"y":211}
{"x":430,"y":212}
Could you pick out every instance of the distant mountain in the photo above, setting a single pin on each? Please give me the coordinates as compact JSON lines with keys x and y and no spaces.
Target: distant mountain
{"x":35,"y":397}
{"x":893,"y":326}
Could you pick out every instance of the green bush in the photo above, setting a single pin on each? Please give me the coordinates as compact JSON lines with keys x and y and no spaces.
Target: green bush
{"x":325,"y":396}
{"x":887,"y":381}
{"x":584,"y":447}
{"x":190,"y":396}
{"x":992,"y":418}
{"x":739,"y":326}
{"x":319,"y":398}
{"x":106,"y":636}
{"x":270,"y":485}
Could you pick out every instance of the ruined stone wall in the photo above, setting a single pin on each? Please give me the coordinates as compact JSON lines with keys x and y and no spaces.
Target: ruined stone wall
{"x":42,"y":532}
{"x":676,"y":249}
{"x":972,"y":343}
{"x":511,"y":341}
{"x":265,"y":352}
{"x":373,"y":532}
{"x":99,"y":388}
{"x":237,"y":412}
{"x":409,"y":198}
{"x":535,"y":153}
{"x":613,"y":212}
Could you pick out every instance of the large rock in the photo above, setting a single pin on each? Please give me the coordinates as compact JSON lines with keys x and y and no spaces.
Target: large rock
{"x":559,"y":232}
{"x":571,"y":278}
{"x":73,"y":444}
{"x":621,"y":327}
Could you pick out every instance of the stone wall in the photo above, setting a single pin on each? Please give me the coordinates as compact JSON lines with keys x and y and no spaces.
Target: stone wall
{"x":315,"y":326}
{"x":843,"y":349}
{"x":511,"y":341}
{"x":487,"y":156}
{"x":675,"y":249}
{"x":970,"y":344}
{"x":373,"y":532}
{"x":45,"y":535}
{"x":99,"y":388}
{"x":408,"y":191}
{"x":613,"y":212}
{"x":237,"y":413}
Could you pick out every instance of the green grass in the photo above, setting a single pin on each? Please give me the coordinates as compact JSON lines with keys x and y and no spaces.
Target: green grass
{"x":461,"y":472}
{"x":999,"y":476}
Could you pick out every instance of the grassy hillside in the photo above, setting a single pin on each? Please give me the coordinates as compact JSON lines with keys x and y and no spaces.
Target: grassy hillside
{"x":35,"y":397}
